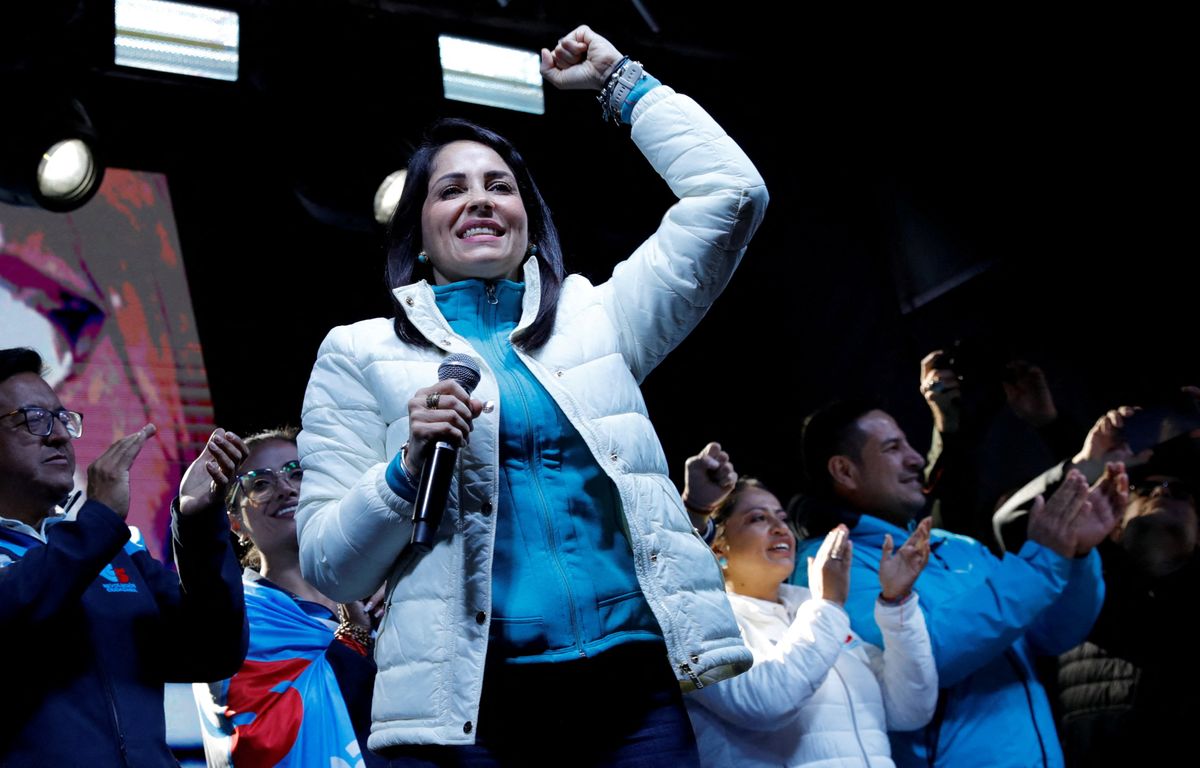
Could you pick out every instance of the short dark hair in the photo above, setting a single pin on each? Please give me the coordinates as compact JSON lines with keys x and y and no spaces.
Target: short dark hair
{"x":404,"y":231}
{"x":832,"y":430}
{"x":16,"y":360}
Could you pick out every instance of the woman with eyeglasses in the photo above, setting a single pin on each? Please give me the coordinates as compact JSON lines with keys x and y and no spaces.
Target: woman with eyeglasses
{"x":817,"y":694}
{"x":565,"y":598}
{"x":302,"y":697}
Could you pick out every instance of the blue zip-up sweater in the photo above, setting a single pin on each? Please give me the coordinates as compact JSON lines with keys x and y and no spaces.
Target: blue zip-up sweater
{"x":987,"y":618}
{"x":91,"y":626}
{"x":563,"y":579}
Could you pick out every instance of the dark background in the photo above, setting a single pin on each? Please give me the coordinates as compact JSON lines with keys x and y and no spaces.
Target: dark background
{"x":1044,"y":159}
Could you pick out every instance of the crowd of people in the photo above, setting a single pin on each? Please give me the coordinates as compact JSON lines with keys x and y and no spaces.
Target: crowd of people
{"x":573,"y":608}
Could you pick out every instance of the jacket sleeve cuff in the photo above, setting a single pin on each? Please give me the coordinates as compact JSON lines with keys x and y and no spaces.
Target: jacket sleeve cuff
{"x":1046,"y":560}
{"x":397,"y":479}
{"x":207,"y":524}
{"x":649,"y":99}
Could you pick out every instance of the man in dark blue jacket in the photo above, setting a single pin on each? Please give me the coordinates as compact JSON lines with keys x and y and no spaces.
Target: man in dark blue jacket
{"x":988,"y":617}
{"x":91,"y":625}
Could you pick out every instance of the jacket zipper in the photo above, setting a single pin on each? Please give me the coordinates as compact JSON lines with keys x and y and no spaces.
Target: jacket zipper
{"x":543,"y":507}
{"x":1015,"y":663}
{"x":116,"y":718}
{"x":853,"y":716}
{"x":686,"y":669}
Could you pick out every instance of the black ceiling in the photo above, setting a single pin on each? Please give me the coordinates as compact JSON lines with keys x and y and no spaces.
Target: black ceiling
{"x":1054,"y":149}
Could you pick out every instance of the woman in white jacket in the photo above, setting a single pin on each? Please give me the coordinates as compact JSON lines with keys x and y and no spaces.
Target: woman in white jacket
{"x":817,"y":694}
{"x":565,"y":598}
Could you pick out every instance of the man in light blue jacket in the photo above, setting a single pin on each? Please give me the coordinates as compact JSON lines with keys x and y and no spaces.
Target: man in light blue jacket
{"x":988,"y":617}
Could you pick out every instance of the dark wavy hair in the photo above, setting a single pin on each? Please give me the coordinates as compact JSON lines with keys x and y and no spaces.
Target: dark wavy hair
{"x":404,"y":231}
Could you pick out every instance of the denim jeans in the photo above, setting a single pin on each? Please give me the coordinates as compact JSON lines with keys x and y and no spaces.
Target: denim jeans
{"x":621,"y":708}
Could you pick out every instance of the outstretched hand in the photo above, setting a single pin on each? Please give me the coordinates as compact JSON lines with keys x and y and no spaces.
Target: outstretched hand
{"x":580,"y":60}
{"x":898,"y":572}
{"x":210,"y":474}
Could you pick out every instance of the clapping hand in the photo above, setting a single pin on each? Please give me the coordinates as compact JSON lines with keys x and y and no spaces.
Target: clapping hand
{"x":210,"y":474}
{"x":1077,"y":518}
{"x":899,"y":571}
{"x":108,"y":475}
{"x":829,"y":571}
{"x":1107,"y":501}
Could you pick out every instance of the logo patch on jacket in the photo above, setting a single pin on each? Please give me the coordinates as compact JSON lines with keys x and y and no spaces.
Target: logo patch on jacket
{"x":116,"y":580}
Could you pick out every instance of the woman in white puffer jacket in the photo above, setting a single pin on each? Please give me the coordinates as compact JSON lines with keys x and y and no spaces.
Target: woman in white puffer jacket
{"x":564,"y":600}
{"x":817,"y":693}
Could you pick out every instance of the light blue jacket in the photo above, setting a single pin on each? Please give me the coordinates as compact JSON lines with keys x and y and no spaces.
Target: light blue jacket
{"x":987,"y":617}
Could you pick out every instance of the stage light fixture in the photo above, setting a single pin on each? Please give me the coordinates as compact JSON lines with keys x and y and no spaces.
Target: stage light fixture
{"x":492,"y":75}
{"x":52,"y":161}
{"x":180,"y":38}
{"x":387,"y":197}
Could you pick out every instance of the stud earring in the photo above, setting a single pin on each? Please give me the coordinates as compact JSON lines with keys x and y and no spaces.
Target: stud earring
{"x":723,"y":562}
{"x":422,"y":258}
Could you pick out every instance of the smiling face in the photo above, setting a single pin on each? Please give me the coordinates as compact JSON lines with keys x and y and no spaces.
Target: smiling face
{"x":757,"y":544}
{"x":473,"y":221}
{"x":885,"y":480}
{"x":270,"y":522}
{"x":35,"y":472}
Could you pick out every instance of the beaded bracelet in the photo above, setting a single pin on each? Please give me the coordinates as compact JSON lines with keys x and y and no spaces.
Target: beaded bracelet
{"x":617,"y":88}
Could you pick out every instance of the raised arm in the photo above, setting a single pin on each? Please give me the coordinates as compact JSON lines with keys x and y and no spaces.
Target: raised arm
{"x":202,"y":607}
{"x":904,"y":668}
{"x":709,"y":478}
{"x":663,"y":290}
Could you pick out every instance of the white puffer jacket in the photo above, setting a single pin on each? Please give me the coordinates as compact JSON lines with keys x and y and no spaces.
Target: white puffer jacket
{"x":354,"y":530}
{"x":818,"y":695}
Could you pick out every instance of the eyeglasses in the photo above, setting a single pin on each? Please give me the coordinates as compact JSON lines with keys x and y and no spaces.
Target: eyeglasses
{"x":40,"y":421}
{"x":1174,"y":489}
{"x":259,"y":484}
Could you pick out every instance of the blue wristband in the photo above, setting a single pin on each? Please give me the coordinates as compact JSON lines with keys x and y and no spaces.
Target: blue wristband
{"x":398,"y":479}
{"x":644,"y":86}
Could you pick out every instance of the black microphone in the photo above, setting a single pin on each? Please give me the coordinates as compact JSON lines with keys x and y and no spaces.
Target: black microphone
{"x":438,"y":465}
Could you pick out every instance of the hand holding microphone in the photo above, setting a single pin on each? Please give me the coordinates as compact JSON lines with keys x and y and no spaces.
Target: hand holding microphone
{"x":440,"y":420}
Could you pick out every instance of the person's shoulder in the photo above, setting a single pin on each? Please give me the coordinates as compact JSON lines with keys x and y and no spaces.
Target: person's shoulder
{"x":363,"y":340}
{"x":346,"y":336}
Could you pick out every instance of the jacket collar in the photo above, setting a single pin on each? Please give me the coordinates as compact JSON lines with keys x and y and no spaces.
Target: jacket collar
{"x":418,"y":302}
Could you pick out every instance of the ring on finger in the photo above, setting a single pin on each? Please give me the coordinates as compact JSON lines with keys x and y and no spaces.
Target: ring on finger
{"x":431,"y":400}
